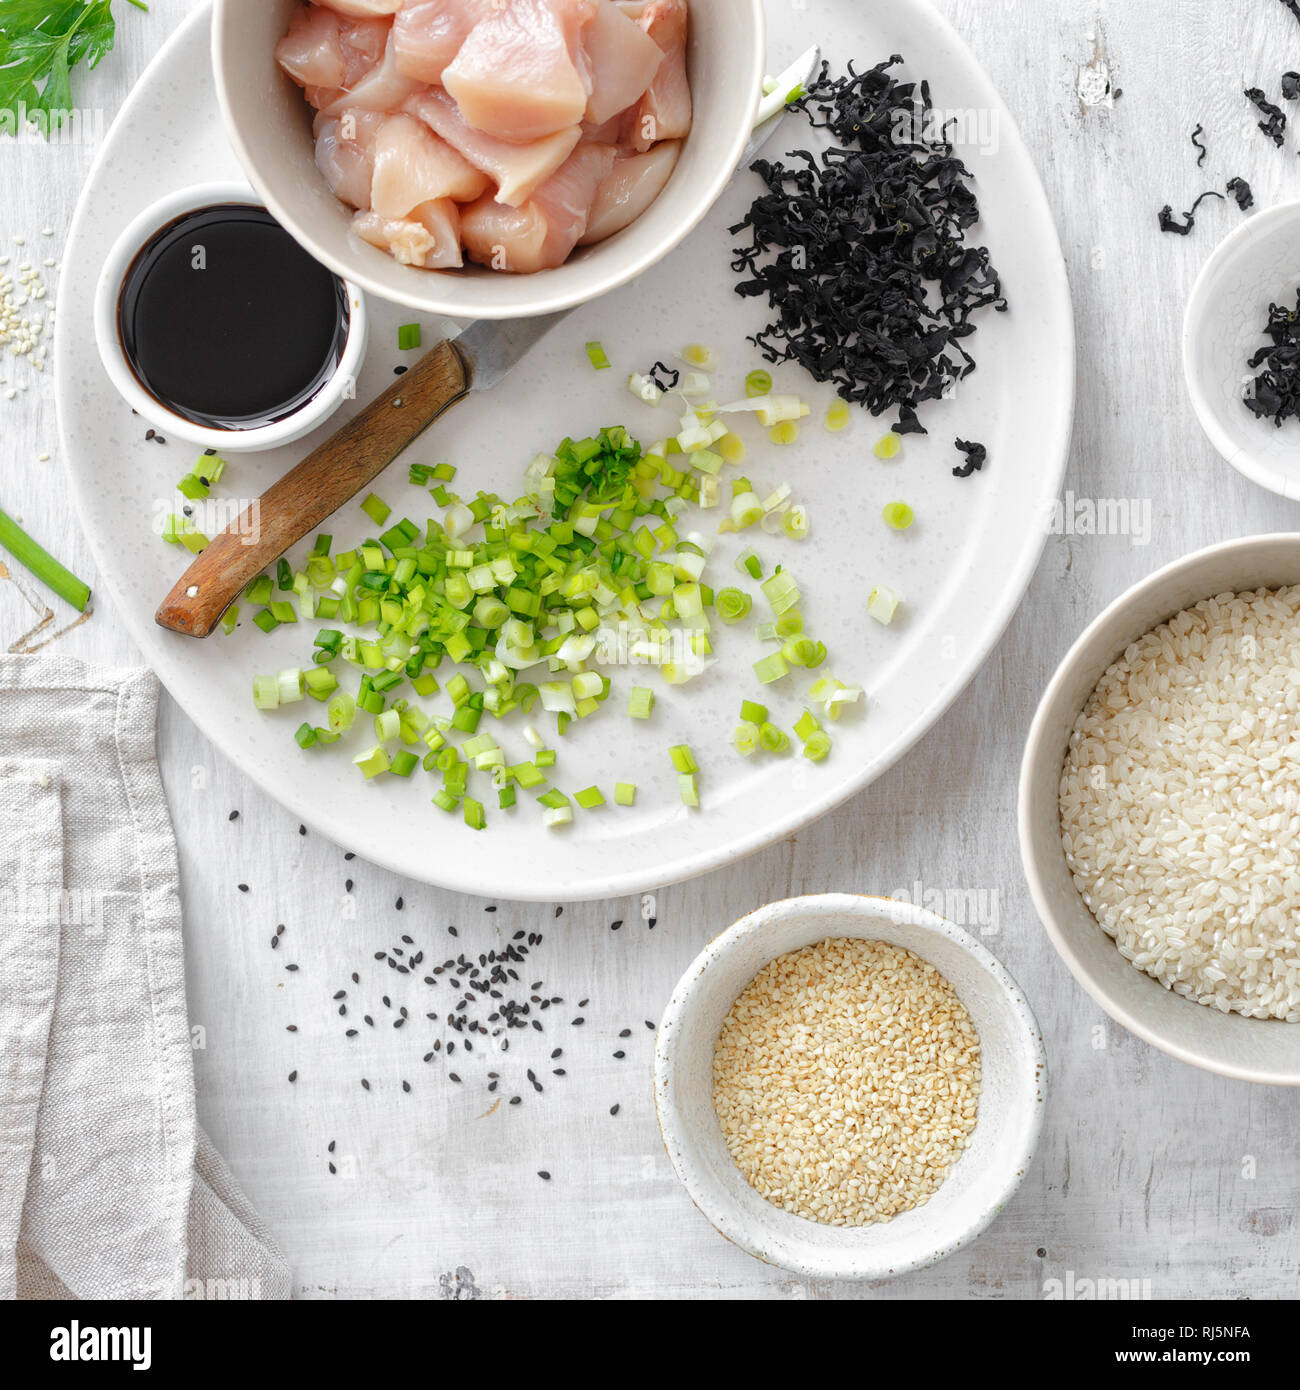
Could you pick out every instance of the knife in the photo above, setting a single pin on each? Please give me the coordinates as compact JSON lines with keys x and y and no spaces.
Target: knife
{"x":345,"y":463}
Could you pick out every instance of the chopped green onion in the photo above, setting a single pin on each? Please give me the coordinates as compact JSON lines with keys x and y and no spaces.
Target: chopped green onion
{"x":771,"y":668}
{"x":898,"y":515}
{"x":41,"y":564}
{"x":641,"y":702}
{"x":786,"y":432}
{"x":758,"y":383}
{"x":408,"y":337}
{"x":376,"y":509}
{"x":806,"y":725}
{"x":753,"y":713}
{"x":589,"y":798}
{"x":773,"y":740}
{"x":883,"y":603}
{"x":817,"y":746}
{"x":683,"y":758}
{"x":837,"y":416}
{"x":689,"y":789}
{"x":697,"y":355}
{"x":596,"y":356}
{"x":733,"y":605}
{"x":746,"y":737}
{"x":624,"y":793}
{"x":373,"y":762}
{"x":888,"y":446}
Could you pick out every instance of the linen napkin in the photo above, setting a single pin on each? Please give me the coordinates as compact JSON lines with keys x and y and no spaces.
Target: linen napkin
{"x":108,"y":1187}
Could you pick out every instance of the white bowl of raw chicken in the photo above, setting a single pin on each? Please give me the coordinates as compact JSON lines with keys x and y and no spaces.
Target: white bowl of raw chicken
{"x":270,"y":123}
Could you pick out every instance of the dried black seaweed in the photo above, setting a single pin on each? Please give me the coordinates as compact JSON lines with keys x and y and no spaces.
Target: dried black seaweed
{"x":862,"y":252}
{"x":665,"y":378}
{"x":1169,"y":223}
{"x":1291,"y":86}
{"x":1241,"y":191}
{"x":1274,"y":126}
{"x":1199,"y":144}
{"x":1275,"y":392}
{"x":976,"y":454}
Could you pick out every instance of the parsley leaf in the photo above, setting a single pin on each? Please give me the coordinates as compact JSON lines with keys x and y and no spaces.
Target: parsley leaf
{"x":41,"y":41}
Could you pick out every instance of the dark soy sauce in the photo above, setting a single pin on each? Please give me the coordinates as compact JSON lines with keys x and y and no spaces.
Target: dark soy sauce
{"x":228,"y":322}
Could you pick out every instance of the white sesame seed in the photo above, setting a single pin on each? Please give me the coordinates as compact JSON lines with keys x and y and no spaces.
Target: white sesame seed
{"x":846,"y":1081}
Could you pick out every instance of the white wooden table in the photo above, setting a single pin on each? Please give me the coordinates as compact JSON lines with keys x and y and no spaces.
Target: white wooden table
{"x":1148,"y":1169}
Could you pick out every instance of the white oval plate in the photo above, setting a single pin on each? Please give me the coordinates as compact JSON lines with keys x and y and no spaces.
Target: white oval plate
{"x":963,"y":567}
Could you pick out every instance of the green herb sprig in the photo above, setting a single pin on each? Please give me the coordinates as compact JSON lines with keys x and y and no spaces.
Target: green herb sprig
{"x":41,"y":41}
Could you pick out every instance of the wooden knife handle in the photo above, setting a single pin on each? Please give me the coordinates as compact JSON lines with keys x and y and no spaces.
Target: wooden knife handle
{"x":318,"y":486}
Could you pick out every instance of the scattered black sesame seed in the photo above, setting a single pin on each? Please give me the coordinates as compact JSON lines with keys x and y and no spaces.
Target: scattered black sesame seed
{"x":293,"y":1076}
{"x":331,"y":1146}
{"x":614,"y":1109}
{"x":234,"y":815}
{"x":291,"y":1028}
{"x":614,"y":926}
{"x":291,"y":968}
{"x":243,"y":887}
{"x":365,"y":1085}
{"x":544,"y":1175}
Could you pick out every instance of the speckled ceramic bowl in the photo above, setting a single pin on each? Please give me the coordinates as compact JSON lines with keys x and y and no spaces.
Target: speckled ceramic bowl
{"x":269,"y":124}
{"x":1247,"y":1049}
{"x":1014,"y":1070}
{"x":1256,"y":265}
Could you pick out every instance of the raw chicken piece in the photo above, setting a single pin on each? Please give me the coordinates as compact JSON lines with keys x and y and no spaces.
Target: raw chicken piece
{"x":429,"y":238}
{"x":383,"y":88}
{"x":429,"y":34}
{"x":362,"y":9}
{"x":322,"y":98}
{"x":345,"y":152}
{"x":664,"y":112}
{"x":622,"y":60}
{"x":518,"y":73}
{"x":517,"y":170}
{"x":628,"y":189}
{"x":364,"y":41}
{"x":542,"y":233}
{"x":414,"y":166}
{"x":311,"y":52}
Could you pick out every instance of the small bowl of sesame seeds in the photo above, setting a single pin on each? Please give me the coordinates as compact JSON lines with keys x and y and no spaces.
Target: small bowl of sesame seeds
{"x":849,"y":1087}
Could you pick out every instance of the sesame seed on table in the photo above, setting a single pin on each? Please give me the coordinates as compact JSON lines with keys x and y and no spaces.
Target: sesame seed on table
{"x":365,"y":1164}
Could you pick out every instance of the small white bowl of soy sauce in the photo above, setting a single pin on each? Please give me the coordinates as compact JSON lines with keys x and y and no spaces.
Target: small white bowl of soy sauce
{"x":216,"y":326}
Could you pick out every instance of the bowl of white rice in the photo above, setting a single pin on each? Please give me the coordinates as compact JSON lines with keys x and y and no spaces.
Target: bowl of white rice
{"x":849,"y":1087}
{"x":1160,"y":809}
